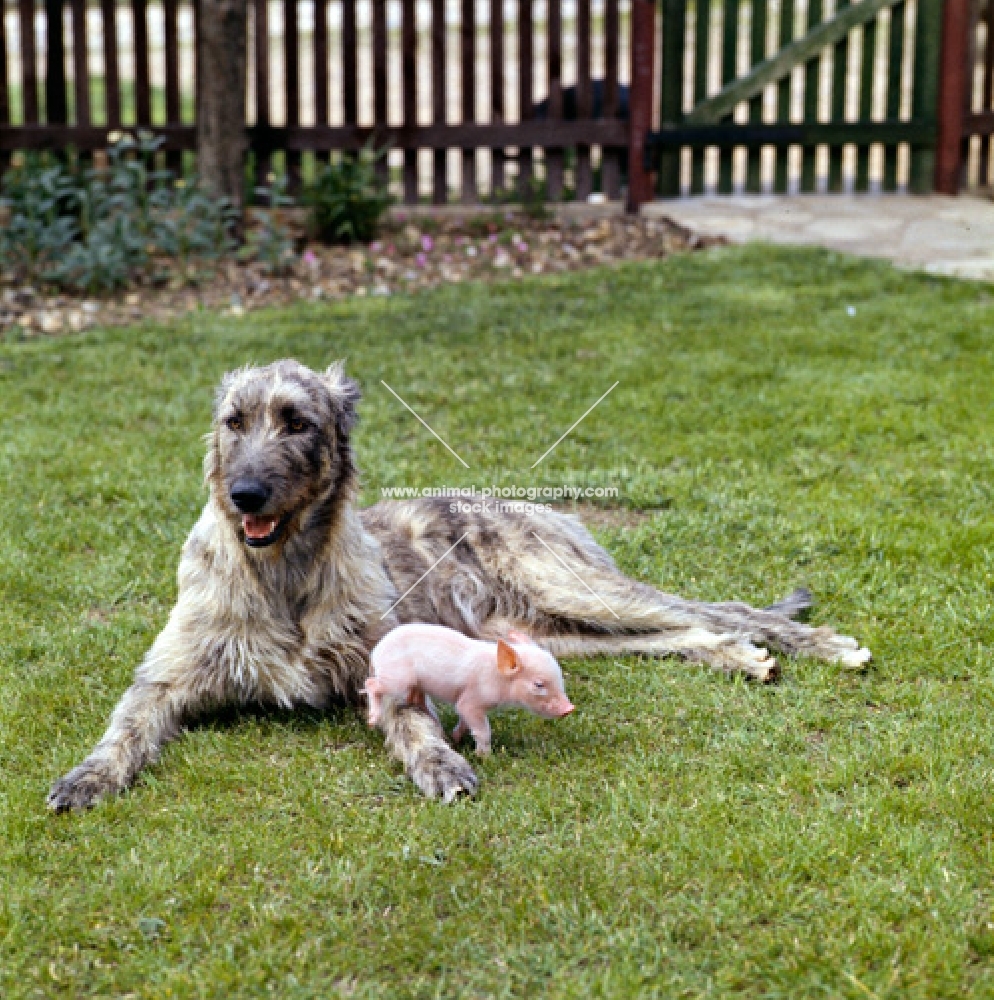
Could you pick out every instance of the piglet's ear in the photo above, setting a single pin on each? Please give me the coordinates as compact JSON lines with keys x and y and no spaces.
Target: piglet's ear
{"x":507,"y":659}
{"x":516,"y":636}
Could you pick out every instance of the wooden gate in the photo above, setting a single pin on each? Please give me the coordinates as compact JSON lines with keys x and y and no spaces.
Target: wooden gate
{"x":785,"y":95}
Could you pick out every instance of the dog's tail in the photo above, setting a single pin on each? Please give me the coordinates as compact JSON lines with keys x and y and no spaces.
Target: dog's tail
{"x":795,"y":604}
{"x":417,"y":740}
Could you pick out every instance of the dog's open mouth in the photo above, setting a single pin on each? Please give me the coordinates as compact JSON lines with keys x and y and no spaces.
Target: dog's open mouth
{"x":262,"y":531}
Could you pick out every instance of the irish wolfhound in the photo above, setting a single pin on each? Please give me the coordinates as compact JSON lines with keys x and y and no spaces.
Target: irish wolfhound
{"x":284,"y":588}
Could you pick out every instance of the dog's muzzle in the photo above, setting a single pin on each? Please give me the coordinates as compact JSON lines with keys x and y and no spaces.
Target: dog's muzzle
{"x":249,"y":497}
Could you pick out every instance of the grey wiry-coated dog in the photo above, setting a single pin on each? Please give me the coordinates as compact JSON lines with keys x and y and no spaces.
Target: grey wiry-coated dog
{"x":284,"y":588}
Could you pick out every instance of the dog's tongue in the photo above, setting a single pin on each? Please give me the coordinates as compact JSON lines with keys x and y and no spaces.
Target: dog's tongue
{"x":258,"y":527}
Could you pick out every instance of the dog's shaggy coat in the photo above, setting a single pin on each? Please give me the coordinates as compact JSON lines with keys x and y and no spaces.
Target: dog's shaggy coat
{"x":290,"y":618}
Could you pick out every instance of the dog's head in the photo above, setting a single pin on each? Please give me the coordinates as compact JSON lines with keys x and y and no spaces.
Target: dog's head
{"x":279,"y":456}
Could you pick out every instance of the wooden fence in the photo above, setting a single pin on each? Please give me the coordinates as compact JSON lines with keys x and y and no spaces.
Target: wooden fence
{"x":471,"y":97}
{"x":475,"y":97}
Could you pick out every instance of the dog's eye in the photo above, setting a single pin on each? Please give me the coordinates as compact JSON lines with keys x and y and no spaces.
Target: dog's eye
{"x":234,"y":423}
{"x":296,"y":425}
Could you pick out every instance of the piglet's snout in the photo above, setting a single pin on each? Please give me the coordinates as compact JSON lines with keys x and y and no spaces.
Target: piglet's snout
{"x":564,"y":707}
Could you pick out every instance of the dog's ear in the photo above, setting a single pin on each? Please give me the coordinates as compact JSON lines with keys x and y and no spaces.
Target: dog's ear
{"x":345,"y":394}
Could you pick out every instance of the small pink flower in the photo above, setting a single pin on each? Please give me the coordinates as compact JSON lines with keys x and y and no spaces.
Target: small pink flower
{"x":421,"y":260}
{"x":376,"y":247}
{"x":523,"y":247}
{"x":494,"y":238}
{"x":427,"y":243}
{"x":310,"y":258}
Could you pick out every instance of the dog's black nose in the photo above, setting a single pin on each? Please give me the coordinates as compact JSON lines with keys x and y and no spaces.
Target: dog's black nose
{"x":249,"y":495}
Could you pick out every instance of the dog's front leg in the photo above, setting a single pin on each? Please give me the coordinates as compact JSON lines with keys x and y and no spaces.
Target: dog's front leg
{"x":417,"y":739}
{"x":169,"y":687}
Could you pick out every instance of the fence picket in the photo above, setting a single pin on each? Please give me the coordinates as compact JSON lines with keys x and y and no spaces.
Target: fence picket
{"x":80,"y":69}
{"x":29,"y":62}
{"x":321,"y":63}
{"x":55,"y":63}
{"x":467,"y":36}
{"x":702,"y":33}
{"x":112,"y":82}
{"x":526,"y":109}
{"x":143,"y":92}
{"x":174,"y":158}
{"x":408,"y":45}
{"x":554,"y":102}
{"x":497,"y":156}
{"x":263,"y":165}
{"x":862,"y":179}
{"x":757,"y":52}
{"x":291,"y":69}
{"x":610,"y":159}
{"x":729,"y":47}
{"x":840,"y":68}
{"x":983,"y":166}
{"x":812,"y":81}
{"x":925,"y":89}
{"x":895,"y":58}
{"x":4,"y":89}
{"x":439,"y":179}
{"x":583,"y":181}
{"x":781,"y":170}
{"x":671,"y":100}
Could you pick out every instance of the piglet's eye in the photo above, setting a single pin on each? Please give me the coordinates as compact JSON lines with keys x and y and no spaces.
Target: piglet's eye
{"x":296,"y":425}
{"x":234,"y":423}
{"x":539,"y":685}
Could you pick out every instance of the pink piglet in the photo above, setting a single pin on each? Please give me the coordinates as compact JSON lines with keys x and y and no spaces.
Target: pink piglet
{"x":414,"y":661}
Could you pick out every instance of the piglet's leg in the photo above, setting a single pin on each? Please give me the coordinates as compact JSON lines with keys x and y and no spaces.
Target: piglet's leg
{"x":374,"y":692}
{"x":474,"y":720}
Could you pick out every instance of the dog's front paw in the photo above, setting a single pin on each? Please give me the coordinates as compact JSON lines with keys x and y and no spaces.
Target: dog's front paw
{"x":83,"y":786}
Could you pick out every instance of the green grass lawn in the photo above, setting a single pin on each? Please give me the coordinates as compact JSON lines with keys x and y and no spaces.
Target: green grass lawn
{"x":682,"y":834}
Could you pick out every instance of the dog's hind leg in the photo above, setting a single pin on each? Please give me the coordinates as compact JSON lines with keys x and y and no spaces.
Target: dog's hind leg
{"x":418,"y":741}
{"x":562,"y":581}
{"x":728,"y":653}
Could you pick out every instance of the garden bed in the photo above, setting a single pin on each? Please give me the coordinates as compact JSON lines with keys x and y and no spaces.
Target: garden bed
{"x":414,"y":251}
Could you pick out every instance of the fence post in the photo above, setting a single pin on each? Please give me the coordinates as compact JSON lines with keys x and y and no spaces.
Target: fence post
{"x":640,"y":101}
{"x":953,"y":94}
{"x":671,"y":99}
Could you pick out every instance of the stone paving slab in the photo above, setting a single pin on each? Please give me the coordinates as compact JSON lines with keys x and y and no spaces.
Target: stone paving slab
{"x":942,"y":235}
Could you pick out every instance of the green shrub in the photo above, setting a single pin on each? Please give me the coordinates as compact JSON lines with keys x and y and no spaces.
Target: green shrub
{"x":347,"y":199}
{"x":97,"y":230}
{"x":271,"y":242}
